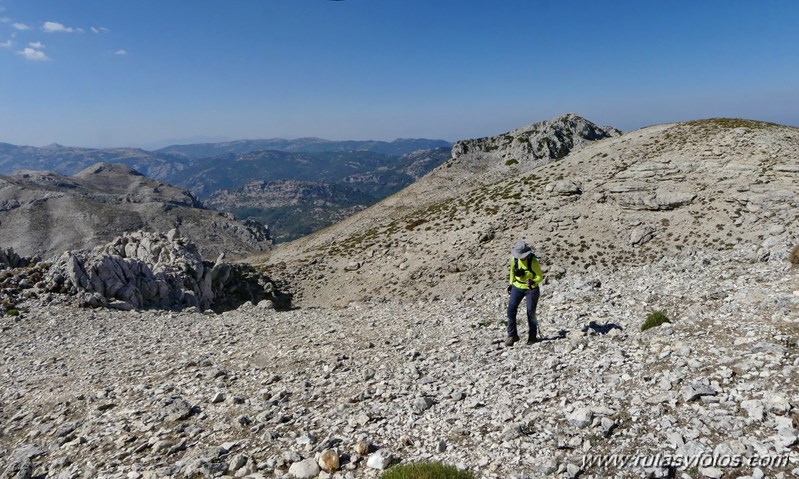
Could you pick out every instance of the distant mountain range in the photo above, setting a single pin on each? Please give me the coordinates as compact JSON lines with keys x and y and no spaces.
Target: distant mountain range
{"x":160,"y":164}
{"x":367,"y":171}
{"x":397,"y":147}
{"x":68,"y":160}
{"x":380,"y":173}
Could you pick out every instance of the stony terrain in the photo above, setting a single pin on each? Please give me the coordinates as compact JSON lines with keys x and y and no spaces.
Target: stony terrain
{"x":44,"y":213}
{"x":259,"y":393}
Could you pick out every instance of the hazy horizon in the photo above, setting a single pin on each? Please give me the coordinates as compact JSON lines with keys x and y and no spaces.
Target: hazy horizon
{"x":95,"y":74}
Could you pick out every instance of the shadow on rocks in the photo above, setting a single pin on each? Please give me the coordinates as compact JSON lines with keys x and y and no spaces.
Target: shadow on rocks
{"x":605,"y":328}
{"x":561,"y":334}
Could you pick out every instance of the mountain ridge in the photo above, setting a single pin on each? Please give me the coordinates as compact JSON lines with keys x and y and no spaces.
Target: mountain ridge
{"x":400,"y":146}
{"x":672,"y":189}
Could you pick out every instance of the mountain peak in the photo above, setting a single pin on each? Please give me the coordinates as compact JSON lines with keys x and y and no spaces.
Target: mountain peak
{"x":529,"y":146}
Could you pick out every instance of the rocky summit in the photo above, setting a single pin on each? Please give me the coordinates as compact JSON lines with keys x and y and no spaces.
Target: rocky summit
{"x":669,"y":324}
{"x":44,"y":213}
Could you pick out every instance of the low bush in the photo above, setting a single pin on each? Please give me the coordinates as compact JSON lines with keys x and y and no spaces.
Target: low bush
{"x":654,"y":319}
{"x":426,"y":470}
{"x":511,"y":162}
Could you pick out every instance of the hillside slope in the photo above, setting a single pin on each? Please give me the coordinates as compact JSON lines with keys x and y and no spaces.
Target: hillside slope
{"x":46,"y":213}
{"x":721,"y":187}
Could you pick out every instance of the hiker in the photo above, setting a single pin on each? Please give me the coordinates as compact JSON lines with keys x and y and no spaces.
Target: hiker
{"x":525,"y":276}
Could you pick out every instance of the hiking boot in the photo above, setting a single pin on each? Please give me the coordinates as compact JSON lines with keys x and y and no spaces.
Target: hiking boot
{"x":511,"y":340}
{"x":532,"y":334}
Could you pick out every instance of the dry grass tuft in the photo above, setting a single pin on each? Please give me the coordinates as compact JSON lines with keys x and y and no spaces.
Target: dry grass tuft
{"x":793,"y":256}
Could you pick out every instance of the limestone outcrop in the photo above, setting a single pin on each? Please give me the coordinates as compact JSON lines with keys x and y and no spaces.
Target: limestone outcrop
{"x":150,"y":270}
{"x":534,"y":144}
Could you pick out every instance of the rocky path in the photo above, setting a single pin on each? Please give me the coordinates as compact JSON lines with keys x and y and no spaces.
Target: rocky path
{"x":259,"y":393}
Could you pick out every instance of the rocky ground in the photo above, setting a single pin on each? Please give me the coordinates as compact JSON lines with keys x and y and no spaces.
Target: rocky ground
{"x":260,"y":393}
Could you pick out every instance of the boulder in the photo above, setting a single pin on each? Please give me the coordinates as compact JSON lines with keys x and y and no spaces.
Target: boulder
{"x":305,"y":469}
{"x":641,"y":234}
{"x":380,"y":459}
{"x":581,"y":417}
{"x":564,"y":188}
{"x":655,"y":201}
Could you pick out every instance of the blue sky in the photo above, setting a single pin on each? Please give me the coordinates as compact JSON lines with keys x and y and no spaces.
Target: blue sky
{"x":132,"y":73}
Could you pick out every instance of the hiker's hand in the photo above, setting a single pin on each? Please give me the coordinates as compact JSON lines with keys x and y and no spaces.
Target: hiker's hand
{"x":530,"y":283}
{"x":509,"y":288}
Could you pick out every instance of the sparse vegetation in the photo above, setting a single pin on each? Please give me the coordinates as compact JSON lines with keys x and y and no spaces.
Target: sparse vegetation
{"x":655,"y":319}
{"x":731,"y":123}
{"x":426,"y":470}
{"x":481,"y":324}
{"x":12,"y":312}
{"x":413,"y":224}
{"x":511,"y":162}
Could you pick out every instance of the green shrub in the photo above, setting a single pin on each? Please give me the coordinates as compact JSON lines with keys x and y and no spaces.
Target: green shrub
{"x":512,"y":161}
{"x":426,"y":470}
{"x":655,"y":319}
{"x":12,"y":312}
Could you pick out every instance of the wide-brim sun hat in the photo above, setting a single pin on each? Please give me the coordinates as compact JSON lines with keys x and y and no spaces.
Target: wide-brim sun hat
{"x":521,"y":250}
